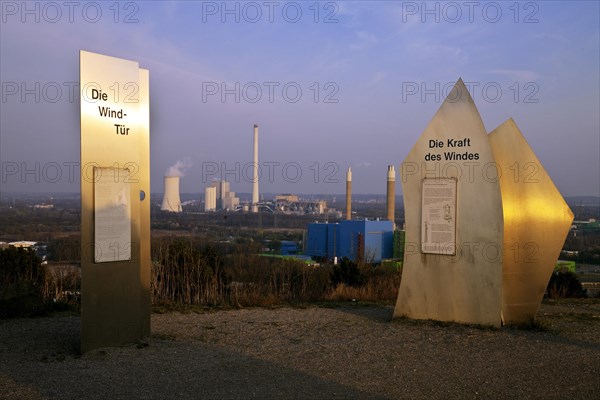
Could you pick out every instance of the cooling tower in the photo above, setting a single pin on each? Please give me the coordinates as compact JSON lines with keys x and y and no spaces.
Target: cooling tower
{"x":349,"y":194}
{"x":391,"y":193}
{"x":210,"y":198}
{"x":171,"y":201}
{"x":255,"y":172}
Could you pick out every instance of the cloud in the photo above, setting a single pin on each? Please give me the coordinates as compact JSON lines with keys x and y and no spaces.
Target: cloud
{"x":552,"y":37}
{"x":427,"y":50}
{"x":364,"y":39}
{"x":378,"y":77}
{"x":516,"y":74}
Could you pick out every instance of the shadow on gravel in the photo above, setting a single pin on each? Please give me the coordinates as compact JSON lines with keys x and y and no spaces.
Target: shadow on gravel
{"x":373,"y":312}
{"x":552,"y":337}
{"x":40,"y":360}
{"x":383,"y":314}
{"x":42,"y":337}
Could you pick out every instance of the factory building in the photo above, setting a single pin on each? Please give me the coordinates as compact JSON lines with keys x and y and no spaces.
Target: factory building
{"x":210,"y":199}
{"x":292,"y":204}
{"x":358,"y":240}
{"x":230,"y":201}
{"x":287,"y":198}
{"x":224,"y":198}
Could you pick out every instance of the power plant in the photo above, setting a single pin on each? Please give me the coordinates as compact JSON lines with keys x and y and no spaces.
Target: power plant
{"x":391,"y":194}
{"x":171,"y":201}
{"x":255,"y":172}
{"x":217,"y":196}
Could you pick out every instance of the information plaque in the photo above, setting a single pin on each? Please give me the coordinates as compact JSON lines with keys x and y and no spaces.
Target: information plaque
{"x":438,"y":216}
{"x":112,"y":215}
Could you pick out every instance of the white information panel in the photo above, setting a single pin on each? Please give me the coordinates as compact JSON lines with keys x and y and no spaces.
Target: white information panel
{"x":112,"y":215}
{"x":438,"y":216}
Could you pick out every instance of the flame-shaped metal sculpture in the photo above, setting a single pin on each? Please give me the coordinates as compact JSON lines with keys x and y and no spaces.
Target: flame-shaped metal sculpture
{"x":536,"y":223}
{"x":457,"y":274}
{"x":480,"y":244}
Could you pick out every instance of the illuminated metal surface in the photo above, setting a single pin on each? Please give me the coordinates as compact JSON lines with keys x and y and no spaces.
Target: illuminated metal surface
{"x":144,"y":183}
{"x":466,"y":287}
{"x":114,"y":301}
{"x":536,"y":223}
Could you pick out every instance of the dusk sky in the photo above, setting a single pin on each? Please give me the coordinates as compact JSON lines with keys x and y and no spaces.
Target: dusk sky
{"x":371,"y":75}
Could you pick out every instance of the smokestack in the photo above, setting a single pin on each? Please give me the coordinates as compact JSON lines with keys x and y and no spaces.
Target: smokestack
{"x":171,"y":201}
{"x":391,"y":194}
{"x":255,"y":171}
{"x":349,"y":194}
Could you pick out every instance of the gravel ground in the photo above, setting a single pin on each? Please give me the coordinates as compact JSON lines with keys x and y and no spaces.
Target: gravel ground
{"x":350,"y":352}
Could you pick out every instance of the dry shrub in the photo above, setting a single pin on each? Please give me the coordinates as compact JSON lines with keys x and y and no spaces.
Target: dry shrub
{"x":21,"y":283}
{"x":183,"y":273}
{"x":564,"y":284}
{"x":380,"y":284}
{"x":62,"y":283}
{"x":267,"y":281}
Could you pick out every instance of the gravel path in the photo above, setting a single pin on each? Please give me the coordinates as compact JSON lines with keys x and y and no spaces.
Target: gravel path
{"x":348,"y":352}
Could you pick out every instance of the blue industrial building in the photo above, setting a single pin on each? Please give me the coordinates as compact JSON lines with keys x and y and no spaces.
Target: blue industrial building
{"x":367,"y":241}
{"x":288,"y":248}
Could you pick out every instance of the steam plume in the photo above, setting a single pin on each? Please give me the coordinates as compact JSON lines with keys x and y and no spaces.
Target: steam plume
{"x":179,"y":168}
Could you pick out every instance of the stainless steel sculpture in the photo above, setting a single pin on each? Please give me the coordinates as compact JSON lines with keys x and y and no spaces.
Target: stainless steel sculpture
{"x":465,"y":285}
{"x":484,"y":222}
{"x":536,"y":223}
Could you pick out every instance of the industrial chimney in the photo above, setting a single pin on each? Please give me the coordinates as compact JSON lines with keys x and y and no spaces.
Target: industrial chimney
{"x":391,"y":193}
{"x":255,"y":172}
{"x":349,"y":194}
{"x":171,"y":201}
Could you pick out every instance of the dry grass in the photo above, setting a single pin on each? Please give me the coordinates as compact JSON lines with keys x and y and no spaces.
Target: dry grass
{"x":184,"y":274}
{"x":62,"y":283}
